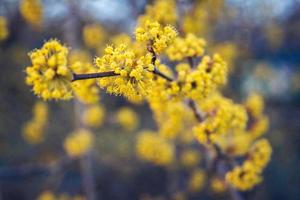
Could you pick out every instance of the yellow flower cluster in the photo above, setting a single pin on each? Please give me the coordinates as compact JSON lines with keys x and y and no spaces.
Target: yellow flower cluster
{"x":235,"y":144}
{"x":155,"y":35}
{"x":93,"y":35}
{"x":32,"y":12}
{"x":85,"y":91}
{"x":127,"y":118}
{"x":33,"y":130}
{"x":258,"y":123}
{"x":243,"y":177}
{"x":196,"y":181}
{"x":173,"y":119}
{"x":248,"y":175}
{"x":260,"y":154}
{"x":223,"y":116}
{"x":49,"y":74}
{"x":93,"y":115}
{"x":162,"y":11}
{"x":187,"y":47}
{"x":198,"y":83}
{"x":134,"y":73}
{"x":210,"y":74}
{"x":78,"y":143}
{"x":153,"y":148}
{"x":3,"y":28}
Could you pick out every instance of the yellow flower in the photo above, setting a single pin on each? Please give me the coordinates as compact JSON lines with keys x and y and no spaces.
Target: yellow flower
{"x":218,"y":185}
{"x":162,"y":11}
{"x":155,"y":35}
{"x":258,"y":123}
{"x":153,"y":148}
{"x":134,"y":74}
{"x":229,"y":52}
{"x":32,"y":11}
{"x":196,"y":181}
{"x":49,"y":74}
{"x":85,"y":91}
{"x":255,"y":104}
{"x":236,"y":144}
{"x":210,"y":74}
{"x":93,"y":116}
{"x":127,"y":118}
{"x":260,"y":154}
{"x":78,"y":143}
{"x":243,"y":177}
{"x":34,"y":130}
{"x":3,"y":28}
{"x":93,"y":35}
{"x":47,"y":195}
{"x":222,"y":117}
{"x":190,"y":158}
{"x":182,"y":48}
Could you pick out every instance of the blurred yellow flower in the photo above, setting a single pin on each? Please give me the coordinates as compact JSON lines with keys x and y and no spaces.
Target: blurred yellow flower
{"x":3,"y":28}
{"x":93,"y":116}
{"x":93,"y":35}
{"x":127,"y":118}
{"x":34,"y":130}
{"x":32,"y":12}
{"x":153,"y":148}
{"x":78,"y":143}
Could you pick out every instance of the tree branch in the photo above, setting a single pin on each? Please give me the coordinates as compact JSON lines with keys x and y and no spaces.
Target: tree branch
{"x":93,"y":75}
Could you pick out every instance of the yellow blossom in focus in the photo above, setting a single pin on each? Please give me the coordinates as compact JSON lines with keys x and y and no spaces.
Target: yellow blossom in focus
{"x":210,"y":74}
{"x":78,"y":143}
{"x":153,"y":148}
{"x":32,"y":12}
{"x":196,"y":181}
{"x":155,"y":35}
{"x":93,"y":116}
{"x":93,"y":35}
{"x":162,"y":11}
{"x":133,"y":74}
{"x":127,"y":118}
{"x":190,"y":158}
{"x":187,"y":47}
{"x":49,"y":74}
{"x":34,"y":130}
{"x":3,"y":28}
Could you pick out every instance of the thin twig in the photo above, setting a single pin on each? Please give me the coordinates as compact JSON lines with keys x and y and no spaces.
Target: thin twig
{"x":77,"y":77}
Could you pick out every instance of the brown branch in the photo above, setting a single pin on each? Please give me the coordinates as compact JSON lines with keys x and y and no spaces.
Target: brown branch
{"x":194,"y":108}
{"x":93,"y":75}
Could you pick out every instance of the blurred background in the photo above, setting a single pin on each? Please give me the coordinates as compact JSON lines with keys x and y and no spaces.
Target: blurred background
{"x":260,"y":39}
